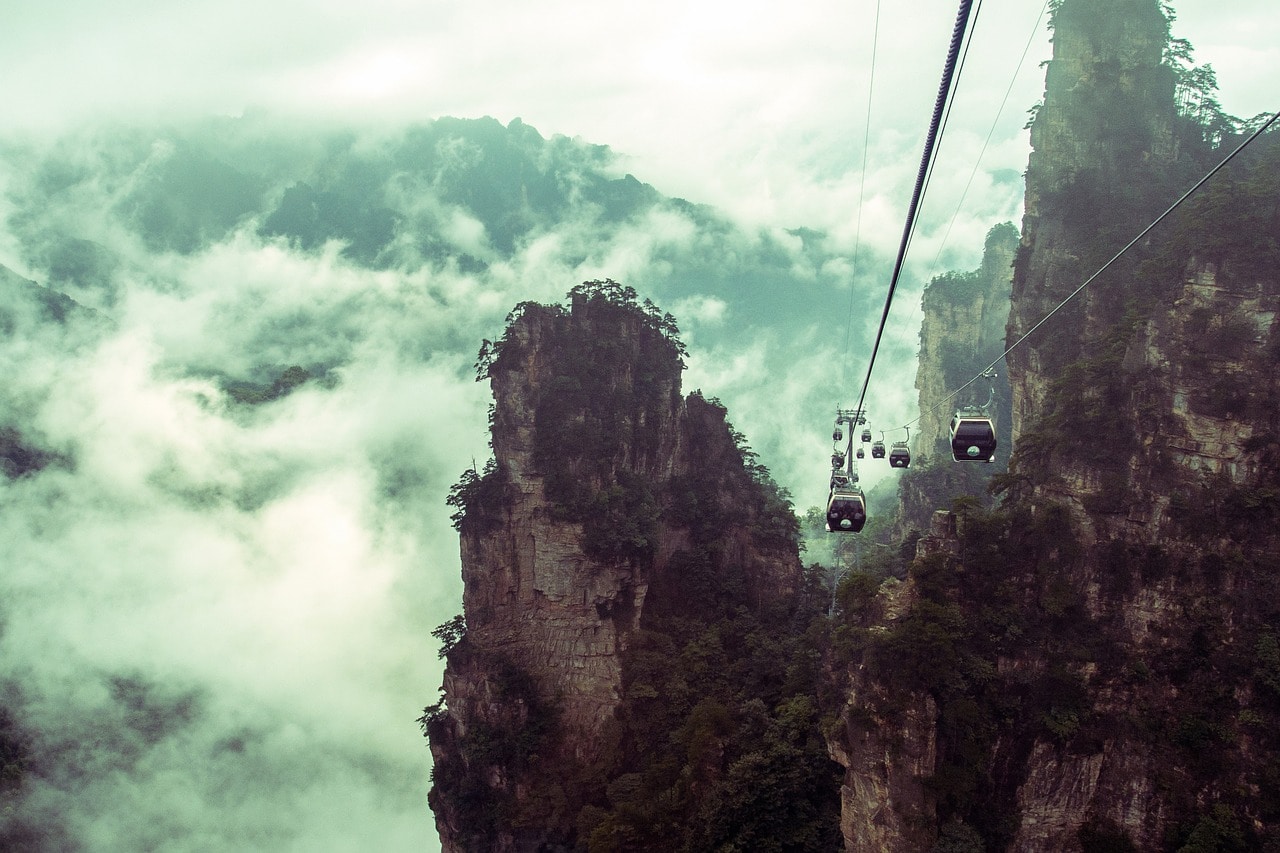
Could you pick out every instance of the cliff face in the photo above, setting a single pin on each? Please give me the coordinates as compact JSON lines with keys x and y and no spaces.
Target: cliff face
{"x":962,"y":330}
{"x":1097,"y":661}
{"x":1103,"y":130}
{"x":612,"y":503}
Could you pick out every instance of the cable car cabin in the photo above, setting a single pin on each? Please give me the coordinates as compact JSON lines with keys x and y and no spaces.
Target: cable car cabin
{"x":899,"y":455}
{"x":838,"y":435}
{"x":973,"y":438}
{"x":861,"y":454}
{"x":866,"y":435}
{"x":846,"y":510}
{"x":877,"y":450}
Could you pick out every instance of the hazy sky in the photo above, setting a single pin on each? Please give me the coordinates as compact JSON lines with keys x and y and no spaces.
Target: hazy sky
{"x":237,"y":607}
{"x":750,"y":105}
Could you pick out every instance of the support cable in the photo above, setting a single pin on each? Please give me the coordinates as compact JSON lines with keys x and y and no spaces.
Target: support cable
{"x":977,"y":163}
{"x":944,"y":90}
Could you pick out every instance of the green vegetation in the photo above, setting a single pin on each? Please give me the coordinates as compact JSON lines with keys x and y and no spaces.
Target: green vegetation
{"x":255,"y":393}
{"x":479,"y":499}
{"x":518,"y":729}
{"x":718,"y":738}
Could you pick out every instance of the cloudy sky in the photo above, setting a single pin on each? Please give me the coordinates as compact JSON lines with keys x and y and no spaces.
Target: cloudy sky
{"x":250,"y":595}
{"x":745,"y":105}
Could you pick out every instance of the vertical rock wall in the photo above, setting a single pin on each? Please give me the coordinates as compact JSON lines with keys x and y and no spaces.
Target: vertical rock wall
{"x":565,"y":554}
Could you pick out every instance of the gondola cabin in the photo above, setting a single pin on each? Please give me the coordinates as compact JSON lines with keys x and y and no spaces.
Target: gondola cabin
{"x":877,"y":450}
{"x":846,"y":510}
{"x":973,"y":438}
{"x":899,"y":455}
{"x":861,"y":454}
{"x":866,"y":435}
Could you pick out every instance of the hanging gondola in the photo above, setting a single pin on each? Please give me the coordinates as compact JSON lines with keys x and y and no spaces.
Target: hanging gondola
{"x":861,"y":454}
{"x":973,"y":437}
{"x":877,"y":450}
{"x":846,"y":509}
{"x":899,"y":455}
{"x":973,"y":433}
{"x":866,"y":434}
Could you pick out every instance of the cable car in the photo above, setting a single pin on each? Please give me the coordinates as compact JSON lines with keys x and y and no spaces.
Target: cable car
{"x":861,"y":454}
{"x":973,"y":437}
{"x":899,"y":455}
{"x":838,"y":435}
{"x":877,"y":450}
{"x":866,"y":434}
{"x":837,"y":460}
{"x":846,"y":509}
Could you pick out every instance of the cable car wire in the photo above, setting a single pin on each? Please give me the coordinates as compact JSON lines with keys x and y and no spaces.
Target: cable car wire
{"x":1035,"y":29}
{"x":946,"y":118}
{"x":862,"y":185}
{"x":1072,"y":295}
{"x":944,"y":94}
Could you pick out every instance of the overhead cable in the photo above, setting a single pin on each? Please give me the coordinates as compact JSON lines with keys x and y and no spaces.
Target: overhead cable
{"x":944,"y":91}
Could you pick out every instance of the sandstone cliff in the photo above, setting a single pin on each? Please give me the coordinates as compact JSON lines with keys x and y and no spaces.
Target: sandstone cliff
{"x":1096,"y":663}
{"x":618,"y":524}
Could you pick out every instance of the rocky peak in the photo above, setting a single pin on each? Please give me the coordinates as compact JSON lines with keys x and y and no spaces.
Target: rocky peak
{"x":612,"y":504}
{"x":1103,"y":133}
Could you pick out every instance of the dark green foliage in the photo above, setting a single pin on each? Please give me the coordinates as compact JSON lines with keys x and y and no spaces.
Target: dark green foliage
{"x":598,"y":419}
{"x":252,"y":393}
{"x":1218,"y":506}
{"x":621,"y":521}
{"x":721,"y":745}
{"x":519,"y":728}
{"x":450,"y":634}
{"x":1101,"y":836}
{"x":1267,"y":663}
{"x":1089,"y":414}
{"x":958,"y":837}
{"x":479,"y":499}
{"x":956,"y":288}
{"x":1219,"y":831}
{"x":856,"y":592}
{"x":1009,"y":593}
